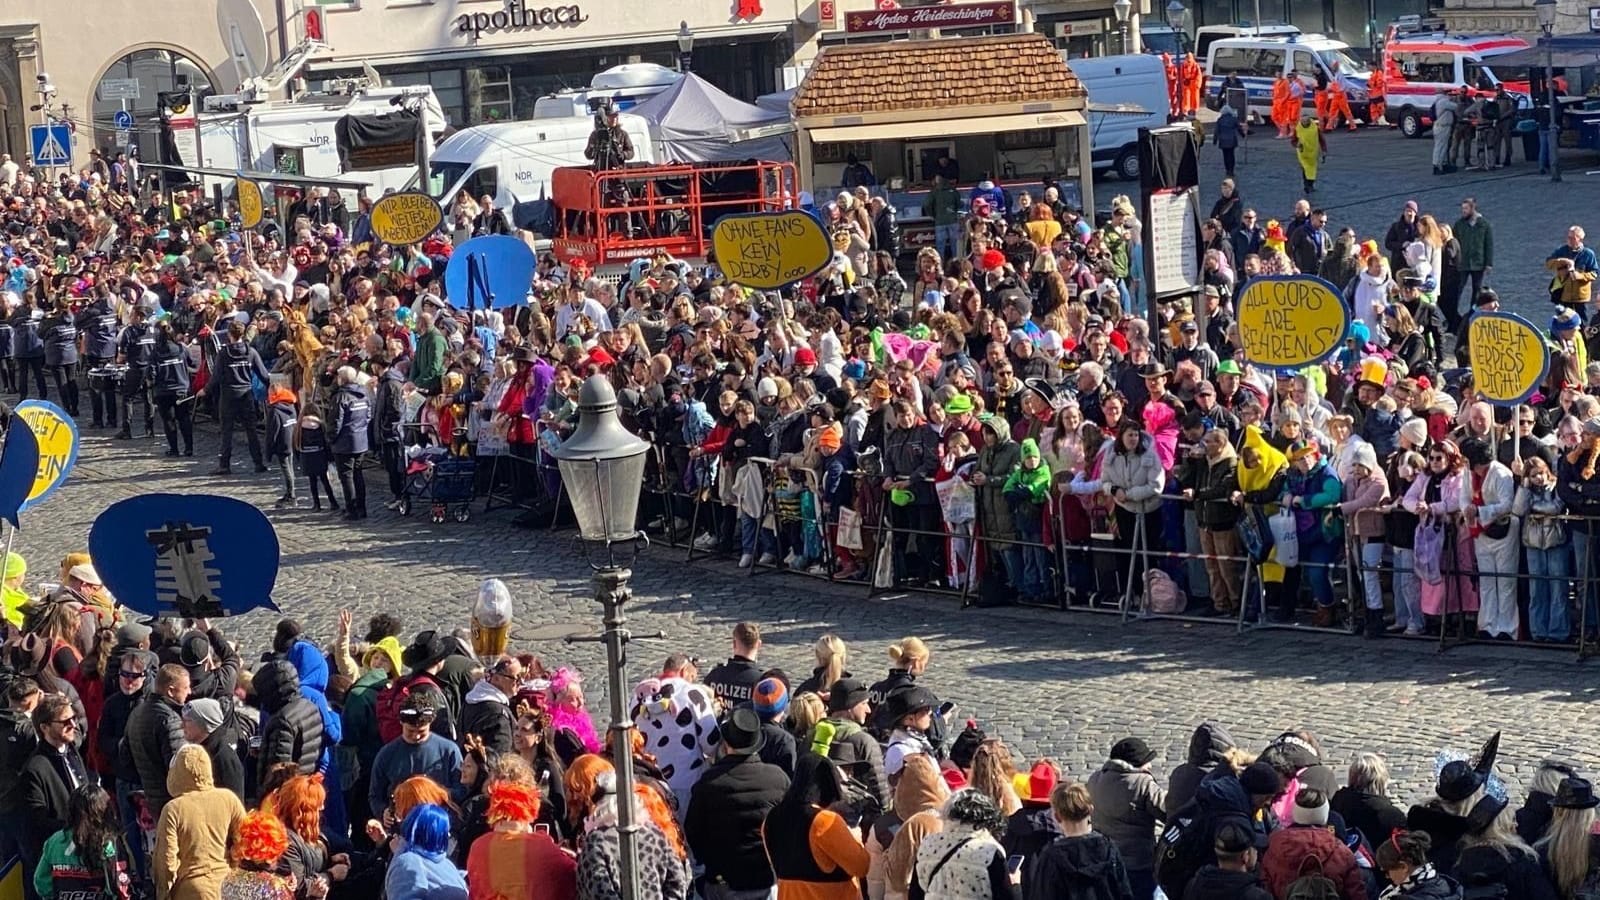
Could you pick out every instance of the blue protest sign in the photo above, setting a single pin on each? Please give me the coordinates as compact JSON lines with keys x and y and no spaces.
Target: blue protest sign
{"x":184,"y":555}
{"x":508,"y":263}
{"x":18,"y":465}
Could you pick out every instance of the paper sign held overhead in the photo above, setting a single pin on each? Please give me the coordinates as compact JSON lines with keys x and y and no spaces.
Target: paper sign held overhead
{"x":194,"y":556}
{"x":57,"y":437}
{"x":1508,"y":355}
{"x":250,"y":206}
{"x":1291,"y":321}
{"x":405,"y":218}
{"x":769,"y":250}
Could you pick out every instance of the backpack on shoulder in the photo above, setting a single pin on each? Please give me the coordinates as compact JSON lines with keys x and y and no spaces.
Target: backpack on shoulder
{"x":393,"y":697}
{"x":1312,"y":885}
{"x":1183,"y":849}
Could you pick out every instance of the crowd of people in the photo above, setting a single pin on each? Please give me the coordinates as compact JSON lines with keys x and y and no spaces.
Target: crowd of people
{"x":989,"y":421}
{"x":164,"y":759}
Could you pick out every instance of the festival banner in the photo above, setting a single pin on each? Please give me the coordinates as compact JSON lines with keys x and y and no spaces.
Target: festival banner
{"x":57,"y":436}
{"x":250,"y":203}
{"x":405,"y":218}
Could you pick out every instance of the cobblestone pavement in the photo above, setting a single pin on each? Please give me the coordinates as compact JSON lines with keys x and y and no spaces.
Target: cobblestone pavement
{"x":1066,"y":684}
{"x":1370,"y":174}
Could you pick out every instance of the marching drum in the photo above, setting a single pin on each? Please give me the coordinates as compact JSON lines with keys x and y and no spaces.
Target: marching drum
{"x":107,"y":378}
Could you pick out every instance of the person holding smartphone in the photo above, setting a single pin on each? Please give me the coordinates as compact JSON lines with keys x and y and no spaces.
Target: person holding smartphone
{"x":516,"y":858}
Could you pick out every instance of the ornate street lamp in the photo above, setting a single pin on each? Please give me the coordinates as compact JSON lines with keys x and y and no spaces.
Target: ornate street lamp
{"x":685,"y":47}
{"x":1123,"y":9}
{"x":602,"y":472}
{"x":1546,"y":11}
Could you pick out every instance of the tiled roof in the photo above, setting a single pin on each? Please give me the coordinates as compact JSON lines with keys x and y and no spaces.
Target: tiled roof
{"x":936,"y":74}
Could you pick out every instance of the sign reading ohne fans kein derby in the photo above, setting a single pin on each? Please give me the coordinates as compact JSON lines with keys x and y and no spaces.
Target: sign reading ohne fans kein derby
{"x":955,"y":15}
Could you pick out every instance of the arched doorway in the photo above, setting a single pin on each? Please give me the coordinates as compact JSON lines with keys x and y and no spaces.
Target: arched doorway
{"x":145,"y":74}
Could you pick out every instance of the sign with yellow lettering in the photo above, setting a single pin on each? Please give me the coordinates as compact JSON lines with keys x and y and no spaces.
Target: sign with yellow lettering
{"x":769,"y":250}
{"x":250,"y":206}
{"x":57,"y":434}
{"x":405,"y":218}
{"x":1509,"y":357}
{"x":1291,"y":321}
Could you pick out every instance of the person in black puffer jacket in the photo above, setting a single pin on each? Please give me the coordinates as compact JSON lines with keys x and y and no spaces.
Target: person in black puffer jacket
{"x":155,"y":732}
{"x":1208,"y":749}
{"x":1082,"y":864}
{"x":293,"y":731}
{"x":729,"y":804}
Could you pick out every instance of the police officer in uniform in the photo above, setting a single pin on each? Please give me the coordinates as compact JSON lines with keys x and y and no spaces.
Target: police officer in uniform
{"x":230,"y":380}
{"x":61,"y":354}
{"x":28,"y":348}
{"x":173,"y":374}
{"x":136,"y":347}
{"x":97,"y":322}
{"x":349,"y":417}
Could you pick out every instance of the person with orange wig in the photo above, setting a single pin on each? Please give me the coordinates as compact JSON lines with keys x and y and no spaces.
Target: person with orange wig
{"x":299,"y":807}
{"x":513,"y":861}
{"x":662,"y":871}
{"x":259,"y":841}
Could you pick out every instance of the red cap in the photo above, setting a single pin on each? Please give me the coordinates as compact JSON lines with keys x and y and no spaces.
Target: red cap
{"x":805,"y":356}
{"x":1041,"y":781}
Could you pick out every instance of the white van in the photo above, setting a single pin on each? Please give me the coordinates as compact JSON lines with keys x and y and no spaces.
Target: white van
{"x":1259,"y":61}
{"x":1206,"y":35}
{"x":512,"y":161}
{"x":627,"y":85}
{"x":1126,"y":93}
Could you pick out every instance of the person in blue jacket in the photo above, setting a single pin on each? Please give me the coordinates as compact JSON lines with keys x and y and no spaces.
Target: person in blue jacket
{"x":313,"y":669}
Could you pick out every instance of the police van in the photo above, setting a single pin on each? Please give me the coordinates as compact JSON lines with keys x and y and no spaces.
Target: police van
{"x":1258,"y":61}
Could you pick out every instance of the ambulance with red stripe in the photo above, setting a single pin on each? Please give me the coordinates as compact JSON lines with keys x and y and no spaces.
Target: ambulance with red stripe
{"x":1418,"y":62}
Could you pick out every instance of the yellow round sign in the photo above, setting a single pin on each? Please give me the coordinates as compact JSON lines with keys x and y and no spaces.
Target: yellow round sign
{"x":249,"y":203}
{"x":1291,"y":321}
{"x":1508,"y":355}
{"x":767,"y":251}
{"x":57,"y":434}
{"x":405,"y":218}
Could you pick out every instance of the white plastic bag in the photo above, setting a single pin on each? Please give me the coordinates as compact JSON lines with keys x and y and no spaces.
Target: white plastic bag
{"x":1285,"y":538}
{"x":849,"y":534}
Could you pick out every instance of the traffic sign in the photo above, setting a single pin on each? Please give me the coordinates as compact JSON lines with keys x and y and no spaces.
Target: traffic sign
{"x":52,"y":144}
{"x":119,"y":89}
{"x":123,"y":120}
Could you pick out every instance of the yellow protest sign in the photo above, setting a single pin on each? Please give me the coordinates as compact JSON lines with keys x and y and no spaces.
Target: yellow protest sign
{"x":1291,"y":321}
{"x":250,"y":205}
{"x":405,"y":218}
{"x":58,"y":446}
{"x":1509,"y":357}
{"x":770,"y":250}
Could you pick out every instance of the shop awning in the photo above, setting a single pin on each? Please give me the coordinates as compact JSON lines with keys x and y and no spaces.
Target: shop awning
{"x":946,"y":128}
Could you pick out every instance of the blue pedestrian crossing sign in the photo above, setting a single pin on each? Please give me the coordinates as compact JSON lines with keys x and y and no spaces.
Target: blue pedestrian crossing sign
{"x":123,"y":120}
{"x":52,"y":144}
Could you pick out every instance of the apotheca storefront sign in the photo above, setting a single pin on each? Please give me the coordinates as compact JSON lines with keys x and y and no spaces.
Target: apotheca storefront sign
{"x":517,"y":16}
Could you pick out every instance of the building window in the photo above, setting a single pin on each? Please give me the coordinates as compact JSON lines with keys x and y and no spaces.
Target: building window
{"x":489,"y":95}
{"x":446,"y":84}
{"x":143,"y":74}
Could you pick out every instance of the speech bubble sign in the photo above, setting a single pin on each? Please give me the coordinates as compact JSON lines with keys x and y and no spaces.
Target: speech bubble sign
{"x":405,"y":218}
{"x":57,"y":435}
{"x":195,"y":556}
{"x":771,"y":249}
{"x":1291,"y":321}
{"x":1508,"y":355}
{"x":18,"y":466}
{"x":250,"y":204}
{"x":509,"y":262}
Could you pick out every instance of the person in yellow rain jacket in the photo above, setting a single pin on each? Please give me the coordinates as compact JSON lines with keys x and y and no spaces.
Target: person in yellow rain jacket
{"x":1338,"y":105}
{"x":1310,"y":148}
{"x":1281,"y":116}
{"x":1262,"y":472}
{"x":11,"y":593}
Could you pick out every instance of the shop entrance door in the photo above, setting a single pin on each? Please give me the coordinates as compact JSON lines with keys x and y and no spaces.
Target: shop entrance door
{"x":922,"y":159}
